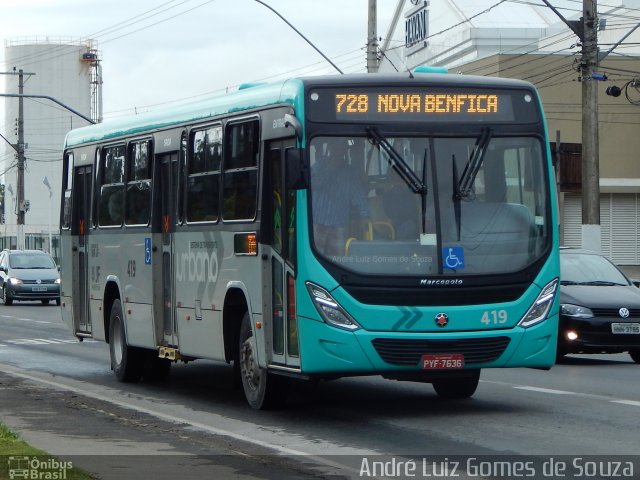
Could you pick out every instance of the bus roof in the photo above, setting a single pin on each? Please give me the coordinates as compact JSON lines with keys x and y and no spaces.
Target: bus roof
{"x":263,"y":95}
{"x":208,"y":107}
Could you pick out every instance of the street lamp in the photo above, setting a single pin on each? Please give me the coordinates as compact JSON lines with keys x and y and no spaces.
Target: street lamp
{"x":45,"y":180}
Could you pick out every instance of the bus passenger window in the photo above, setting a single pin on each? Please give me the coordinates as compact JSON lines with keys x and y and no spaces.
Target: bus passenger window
{"x":203,"y":176}
{"x":67,"y":189}
{"x":111,"y":201}
{"x":138,"y":190}
{"x":240,"y":179}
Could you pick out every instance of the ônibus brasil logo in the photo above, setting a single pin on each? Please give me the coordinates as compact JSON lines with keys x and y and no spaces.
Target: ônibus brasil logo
{"x":34,"y":468}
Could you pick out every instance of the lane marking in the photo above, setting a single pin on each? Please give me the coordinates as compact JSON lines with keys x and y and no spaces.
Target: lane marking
{"x":634,"y":403}
{"x":44,"y":341}
{"x":591,"y":396}
{"x":28,"y":320}
{"x":545,"y":390}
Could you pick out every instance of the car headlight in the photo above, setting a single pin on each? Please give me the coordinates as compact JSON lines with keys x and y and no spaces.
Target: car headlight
{"x":15,"y":281}
{"x":330,"y":311}
{"x":575,"y":311}
{"x":57,"y":281}
{"x":540,"y":308}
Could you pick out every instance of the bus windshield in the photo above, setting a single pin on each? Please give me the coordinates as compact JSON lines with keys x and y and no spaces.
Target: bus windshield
{"x":429,"y":205}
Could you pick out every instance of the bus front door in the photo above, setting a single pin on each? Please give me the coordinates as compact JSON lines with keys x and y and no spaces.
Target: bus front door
{"x":279,"y":269}
{"x":81,"y":204}
{"x":164,"y":228}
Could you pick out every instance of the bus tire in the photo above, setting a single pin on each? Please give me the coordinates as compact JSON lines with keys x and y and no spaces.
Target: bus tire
{"x":155,"y":368}
{"x":126,"y":361}
{"x":634,"y":353}
{"x":463,"y":387}
{"x":262,"y":390}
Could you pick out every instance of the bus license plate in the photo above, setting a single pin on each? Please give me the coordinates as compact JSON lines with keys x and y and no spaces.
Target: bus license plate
{"x":443,"y":361}
{"x":38,"y":289}
{"x":626,"y":328}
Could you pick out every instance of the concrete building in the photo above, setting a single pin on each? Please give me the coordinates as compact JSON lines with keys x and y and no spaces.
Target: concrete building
{"x":532,"y":43}
{"x":67,"y":70}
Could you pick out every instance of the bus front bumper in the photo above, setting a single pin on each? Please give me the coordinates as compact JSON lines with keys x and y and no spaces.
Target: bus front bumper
{"x":330,"y":350}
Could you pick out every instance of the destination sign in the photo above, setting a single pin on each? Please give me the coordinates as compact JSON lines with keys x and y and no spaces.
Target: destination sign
{"x":433,"y":105}
{"x":439,"y":103}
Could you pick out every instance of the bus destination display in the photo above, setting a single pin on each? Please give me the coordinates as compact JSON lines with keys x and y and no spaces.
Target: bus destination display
{"x":422,"y":105}
{"x":394,"y":103}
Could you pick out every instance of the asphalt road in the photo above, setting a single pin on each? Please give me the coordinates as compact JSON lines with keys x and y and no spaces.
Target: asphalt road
{"x":587,"y":405}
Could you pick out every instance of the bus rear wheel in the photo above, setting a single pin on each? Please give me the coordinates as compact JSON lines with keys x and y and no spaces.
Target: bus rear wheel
{"x":463,"y":387}
{"x":126,"y":361}
{"x":261,"y":389}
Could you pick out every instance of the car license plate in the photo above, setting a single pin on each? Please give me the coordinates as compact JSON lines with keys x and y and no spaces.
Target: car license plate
{"x":443,"y":361}
{"x":626,"y":328}
{"x":38,"y":289}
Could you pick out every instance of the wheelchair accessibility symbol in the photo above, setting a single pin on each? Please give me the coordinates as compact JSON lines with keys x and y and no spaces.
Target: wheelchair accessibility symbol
{"x":453,"y":258}
{"x":147,"y":251}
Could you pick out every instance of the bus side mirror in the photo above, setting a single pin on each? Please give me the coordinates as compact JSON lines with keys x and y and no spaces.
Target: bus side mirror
{"x":296,"y":169}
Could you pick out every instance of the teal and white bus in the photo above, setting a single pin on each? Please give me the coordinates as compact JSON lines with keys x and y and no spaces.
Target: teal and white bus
{"x":317,"y":228}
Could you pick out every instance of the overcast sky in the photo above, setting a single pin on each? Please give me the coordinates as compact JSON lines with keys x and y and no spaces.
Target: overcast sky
{"x":157,"y":51}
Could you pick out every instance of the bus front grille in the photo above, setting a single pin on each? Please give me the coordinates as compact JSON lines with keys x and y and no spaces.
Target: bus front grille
{"x":409,"y":352}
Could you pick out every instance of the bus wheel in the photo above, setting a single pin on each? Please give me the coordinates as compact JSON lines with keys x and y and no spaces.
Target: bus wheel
{"x":635,"y":354}
{"x":463,"y":387}
{"x":262,"y":389}
{"x":126,"y":361}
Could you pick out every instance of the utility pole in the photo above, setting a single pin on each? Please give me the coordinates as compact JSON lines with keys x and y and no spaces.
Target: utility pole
{"x":372,"y":38}
{"x":19,"y":147}
{"x":590,"y":132}
{"x":587,"y":31}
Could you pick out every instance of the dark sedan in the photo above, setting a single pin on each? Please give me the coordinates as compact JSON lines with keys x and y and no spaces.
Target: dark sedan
{"x":599,"y":306}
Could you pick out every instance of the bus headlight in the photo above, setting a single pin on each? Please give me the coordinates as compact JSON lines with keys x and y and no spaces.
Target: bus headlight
{"x":330,"y":311}
{"x":540,"y":308}
{"x":15,"y":281}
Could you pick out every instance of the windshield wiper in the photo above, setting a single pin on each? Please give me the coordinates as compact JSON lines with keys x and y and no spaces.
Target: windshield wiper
{"x":602,"y":283}
{"x":397,"y":162}
{"x":415,"y":184}
{"x":464,"y":185}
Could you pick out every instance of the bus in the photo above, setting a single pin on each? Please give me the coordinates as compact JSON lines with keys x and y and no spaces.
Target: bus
{"x":315,"y":228}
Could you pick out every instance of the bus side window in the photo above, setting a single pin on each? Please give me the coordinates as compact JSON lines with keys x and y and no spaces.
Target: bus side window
{"x":111,"y":202}
{"x":240,"y":176}
{"x":182,"y":168}
{"x":203,"y":175}
{"x":138,"y":189}
{"x":65,"y":222}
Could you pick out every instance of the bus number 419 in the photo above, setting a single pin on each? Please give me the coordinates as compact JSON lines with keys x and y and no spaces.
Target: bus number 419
{"x":494,"y":317}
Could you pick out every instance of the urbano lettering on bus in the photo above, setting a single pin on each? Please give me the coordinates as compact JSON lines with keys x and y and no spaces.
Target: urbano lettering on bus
{"x":197,"y":267}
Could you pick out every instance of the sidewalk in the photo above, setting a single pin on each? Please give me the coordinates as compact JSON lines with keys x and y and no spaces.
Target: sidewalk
{"x":111,"y":442}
